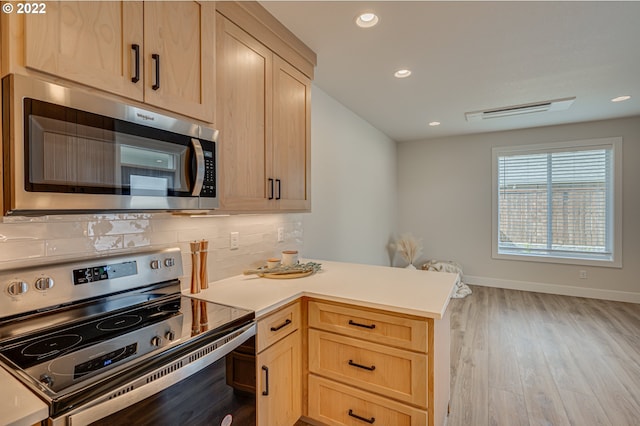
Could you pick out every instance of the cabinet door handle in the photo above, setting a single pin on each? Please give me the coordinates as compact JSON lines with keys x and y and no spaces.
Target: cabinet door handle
{"x":266,"y":380}
{"x":136,"y":51}
{"x":364,"y":419}
{"x":284,"y":324}
{"x":271,"y":189}
{"x":279,"y":189}
{"x":370,"y":327}
{"x":156,"y":59}
{"x":364,"y":367}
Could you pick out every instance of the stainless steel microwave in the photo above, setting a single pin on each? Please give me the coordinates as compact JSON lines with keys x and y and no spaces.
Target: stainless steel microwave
{"x":69,"y":150}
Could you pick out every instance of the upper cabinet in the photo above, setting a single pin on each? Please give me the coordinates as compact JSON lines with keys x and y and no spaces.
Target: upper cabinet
{"x":291,"y":136}
{"x":179,"y":41}
{"x":244,"y":73}
{"x":88,"y":42}
{"x":263,"y":113}
{"x":161,"y":53}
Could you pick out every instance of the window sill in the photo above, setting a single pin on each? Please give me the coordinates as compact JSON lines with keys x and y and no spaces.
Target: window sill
{"x":604,"y":262}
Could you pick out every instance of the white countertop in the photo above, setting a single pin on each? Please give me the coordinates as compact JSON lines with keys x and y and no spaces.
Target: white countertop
{"x":18,"y":405}
{"x":413,"y":292}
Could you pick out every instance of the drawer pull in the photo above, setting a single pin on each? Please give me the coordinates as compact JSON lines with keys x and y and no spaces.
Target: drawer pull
{"x":364,"y":419}
{"x":284,"y":324}
{"x":370,"y":327}
{"x":364,"y":367}
{"x":266,"y":380}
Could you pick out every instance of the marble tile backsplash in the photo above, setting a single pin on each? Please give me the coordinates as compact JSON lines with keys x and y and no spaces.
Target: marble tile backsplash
{"x":25,"y":240}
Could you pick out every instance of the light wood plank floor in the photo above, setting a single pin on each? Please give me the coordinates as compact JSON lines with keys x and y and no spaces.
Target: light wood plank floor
{"x":520,"y":358}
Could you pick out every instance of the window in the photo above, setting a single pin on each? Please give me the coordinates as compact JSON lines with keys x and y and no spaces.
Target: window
{"x":559,"y":202}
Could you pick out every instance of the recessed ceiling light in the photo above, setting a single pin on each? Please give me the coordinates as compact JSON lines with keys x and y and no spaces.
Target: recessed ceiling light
{"x":367,"y":20}
{"x":402,"y":73}
{"x":434,"y":123}
{"x":621,"y":98}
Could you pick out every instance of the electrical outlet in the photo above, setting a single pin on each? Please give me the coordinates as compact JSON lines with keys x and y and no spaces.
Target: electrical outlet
{"x":280,"y":234}
{"x":582,"y":274}
{"x":234,"y":240}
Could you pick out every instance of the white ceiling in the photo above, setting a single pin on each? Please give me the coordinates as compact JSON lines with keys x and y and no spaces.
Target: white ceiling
{"x":469,"y":56}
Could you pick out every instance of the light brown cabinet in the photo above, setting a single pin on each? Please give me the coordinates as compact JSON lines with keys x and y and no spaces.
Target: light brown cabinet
{"x":88,"y":42}
{"x":278,"y":368}
{"x":264,"y":118}
{"x":395,"y":373}
{"x":368,"y":364}
{"x":291,"y":137}
{"x":161,"y":53}
{"x":336,"y":404}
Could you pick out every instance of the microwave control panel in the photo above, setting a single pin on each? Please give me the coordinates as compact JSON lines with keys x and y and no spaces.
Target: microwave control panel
{"x":209,"y":184}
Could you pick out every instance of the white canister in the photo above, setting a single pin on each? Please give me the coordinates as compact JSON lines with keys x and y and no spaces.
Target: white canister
{"x":273,"y":262}
{"x":289,"y":257}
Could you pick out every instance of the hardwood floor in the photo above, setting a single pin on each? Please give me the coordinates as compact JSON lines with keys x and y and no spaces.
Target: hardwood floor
{"x":520,"y":358}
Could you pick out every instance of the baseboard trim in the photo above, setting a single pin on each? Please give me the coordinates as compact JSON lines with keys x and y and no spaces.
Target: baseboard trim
{"x":564,"y":290}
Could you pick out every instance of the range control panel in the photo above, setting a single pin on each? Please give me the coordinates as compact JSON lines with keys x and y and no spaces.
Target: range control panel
{"x":49,"y":285}
{"x":104,"y":272}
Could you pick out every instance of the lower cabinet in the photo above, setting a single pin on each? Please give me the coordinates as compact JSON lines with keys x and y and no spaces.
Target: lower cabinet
{"x":279,"y":382}
{"x":367,"y":366}
{"x":279,"y":367}
{"x":336,"y":404}
{"x":392,"y":372}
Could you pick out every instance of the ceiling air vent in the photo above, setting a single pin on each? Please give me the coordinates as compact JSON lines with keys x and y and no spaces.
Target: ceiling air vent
{"x":554,"y":105}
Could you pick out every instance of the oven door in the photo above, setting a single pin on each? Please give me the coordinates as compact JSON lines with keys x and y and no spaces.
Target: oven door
{"x":87,"y":153}
{"x":213,"y":390}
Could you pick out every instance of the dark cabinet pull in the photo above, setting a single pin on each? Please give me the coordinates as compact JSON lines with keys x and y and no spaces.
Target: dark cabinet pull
{"x":266,"y":380}
{"x":136,"y":50}
{"x":370,"y":327}
{"x":271,"y":189}
{"x":364,"y":419}
{"x":279,"y":189}
{"x":156,"y":59}
{"x":284,"y":324}
{"x":364,"y":367}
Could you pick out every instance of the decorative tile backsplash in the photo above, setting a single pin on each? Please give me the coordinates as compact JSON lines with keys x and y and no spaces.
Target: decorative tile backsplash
{"x":25,"y":240}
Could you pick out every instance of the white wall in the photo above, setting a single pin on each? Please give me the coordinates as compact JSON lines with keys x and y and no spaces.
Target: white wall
{"x":445,"y":198}
{"x":353,"y":186}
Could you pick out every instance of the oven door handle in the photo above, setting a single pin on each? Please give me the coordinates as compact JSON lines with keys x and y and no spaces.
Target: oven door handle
{"x":103,"y":406}
{"x":199,"y":157}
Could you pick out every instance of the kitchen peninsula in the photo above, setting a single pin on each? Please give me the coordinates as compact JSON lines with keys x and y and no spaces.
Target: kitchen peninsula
{"x":391,"y":325}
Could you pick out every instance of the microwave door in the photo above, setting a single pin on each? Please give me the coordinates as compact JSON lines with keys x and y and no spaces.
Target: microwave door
{"x":67,"y":150}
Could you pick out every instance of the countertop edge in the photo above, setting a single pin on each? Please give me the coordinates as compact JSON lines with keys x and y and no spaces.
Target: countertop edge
{"x":24,"y":401}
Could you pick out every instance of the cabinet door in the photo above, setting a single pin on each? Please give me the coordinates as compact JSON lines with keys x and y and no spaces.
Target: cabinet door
{"x":179,"y":57}
{"x":279,"y":400}
{"x":244,"y":73}
{"x":291,"y":136}
{"x":88,"y":42}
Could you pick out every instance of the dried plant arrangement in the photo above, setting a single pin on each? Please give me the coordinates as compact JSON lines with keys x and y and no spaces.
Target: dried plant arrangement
{"x":410,"y":248}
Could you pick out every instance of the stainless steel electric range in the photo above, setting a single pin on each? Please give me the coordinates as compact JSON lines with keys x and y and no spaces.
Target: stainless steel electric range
{"x":111,"y":340}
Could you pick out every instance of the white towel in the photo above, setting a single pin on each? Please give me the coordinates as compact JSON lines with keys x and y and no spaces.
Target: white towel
{"x":461,"y":290}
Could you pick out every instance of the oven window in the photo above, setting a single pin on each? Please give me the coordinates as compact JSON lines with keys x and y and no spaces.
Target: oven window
{"x":220,"y":394}
{"x":68,"y":150}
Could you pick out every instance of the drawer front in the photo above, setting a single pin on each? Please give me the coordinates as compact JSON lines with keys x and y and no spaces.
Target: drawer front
{"x":336,"y":404}
{"x":376,"y":327}
{"x":394,"y":373}
{"x":277,"y":325}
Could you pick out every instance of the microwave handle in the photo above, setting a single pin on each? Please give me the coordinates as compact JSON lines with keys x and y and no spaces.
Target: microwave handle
{"x":199,"y":156}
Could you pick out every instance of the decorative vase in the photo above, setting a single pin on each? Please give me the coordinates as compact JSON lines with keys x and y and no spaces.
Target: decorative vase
{"x":410,"y":266}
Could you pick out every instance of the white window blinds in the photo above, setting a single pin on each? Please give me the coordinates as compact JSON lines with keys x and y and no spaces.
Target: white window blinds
{"x":556,"y":202}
